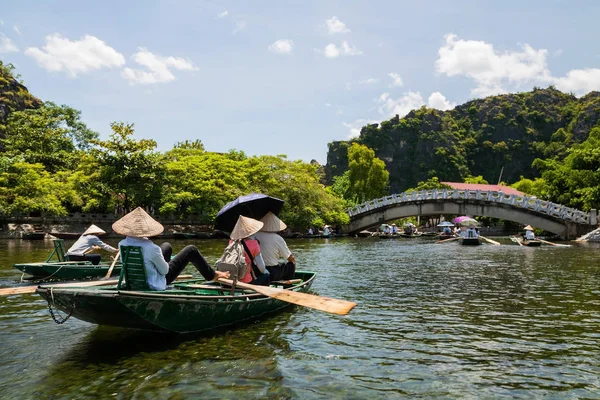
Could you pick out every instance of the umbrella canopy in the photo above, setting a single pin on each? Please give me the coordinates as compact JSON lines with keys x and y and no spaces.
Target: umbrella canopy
{"x":445,"y":223}
{"x":468,"y":222}
{"x":253,"y":205}
{"x":458,"y":219}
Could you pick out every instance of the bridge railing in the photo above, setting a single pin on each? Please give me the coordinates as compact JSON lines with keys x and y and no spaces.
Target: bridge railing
{"x":526,"y":202}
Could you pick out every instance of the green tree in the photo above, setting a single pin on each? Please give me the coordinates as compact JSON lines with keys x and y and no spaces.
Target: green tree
{"x":51,"y":135}
{"x":368,"y":176}
{"x":26,"y":187}
{"x":131,"y":172}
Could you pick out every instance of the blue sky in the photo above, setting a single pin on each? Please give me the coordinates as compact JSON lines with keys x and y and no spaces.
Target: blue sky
{"x":288,"y":77}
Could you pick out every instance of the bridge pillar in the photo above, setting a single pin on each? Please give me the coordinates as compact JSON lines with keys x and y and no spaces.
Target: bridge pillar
{"x":593,"y":217}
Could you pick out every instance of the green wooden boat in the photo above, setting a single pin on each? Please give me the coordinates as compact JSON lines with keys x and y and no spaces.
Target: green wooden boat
{"x":186,"y":307}
{"x":57,"y":266}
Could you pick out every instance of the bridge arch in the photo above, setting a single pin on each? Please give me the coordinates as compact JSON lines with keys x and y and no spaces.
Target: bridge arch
{"x":527,"y":210}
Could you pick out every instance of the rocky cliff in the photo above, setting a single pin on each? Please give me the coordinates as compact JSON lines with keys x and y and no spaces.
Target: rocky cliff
{"x":481,"y":137}
{"x":13,"y":96}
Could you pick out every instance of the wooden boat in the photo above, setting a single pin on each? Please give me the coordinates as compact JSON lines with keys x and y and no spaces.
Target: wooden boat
{"x":469,"y":241}
{"x":410,"y":235}
{"x":525,"y":242}
{"x":190,"y":306}
{"x":57,"y":266}
{"x":66,"y":270}
{"x":442,"y":236}
{"x":33,"y":235}
{"x":66,"y":235}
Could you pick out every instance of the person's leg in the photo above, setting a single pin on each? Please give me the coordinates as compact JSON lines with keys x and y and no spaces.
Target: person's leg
{"x":93,"y":258}
{"x":261,"y":280}
{"x":289,"y":270}
{"x":189,"y":254}
{"x":275,"y":272}
{"x":167,"y":251}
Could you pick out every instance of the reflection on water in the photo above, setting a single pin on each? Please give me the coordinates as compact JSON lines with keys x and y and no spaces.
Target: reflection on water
{"x":432,"y":321}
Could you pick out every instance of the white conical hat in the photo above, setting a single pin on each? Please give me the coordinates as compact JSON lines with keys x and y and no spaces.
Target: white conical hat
{"x":138,"y":224}
{"x":528,"y":228}
{"x":272,"y":223}
{"x":245,"y":227}
{"x":93,"y":230}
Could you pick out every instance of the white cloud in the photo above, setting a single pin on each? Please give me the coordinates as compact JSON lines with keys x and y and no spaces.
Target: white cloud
{"x":282,"y":46}
{"x":334,"y":25}
{"x":158,"y":68}
{"x":7,"y":45}
{"x":16,"y":29}
{"x":1,"y":22}
{"x":333,"y":51}
{"x":239,"y":26}
{"x":327,"y":104}
{"x":439,"y":102}
{"x":396,"y":79}
{"x":401,"y":106}
{"x":579,"y":81}
{"x":356,"y":125}
{"x":223,"y":14}
{"x":496,"y":72}
{"x":369,"y":81}
{"x":78,"y":56}
{"x":491,"y":69}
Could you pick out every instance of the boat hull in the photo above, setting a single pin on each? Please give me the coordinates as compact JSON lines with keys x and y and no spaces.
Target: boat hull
{"x":67,"y":270}
{"x":531,"y":243}
{"x":178,"y":310}
{"x":469,"y":241}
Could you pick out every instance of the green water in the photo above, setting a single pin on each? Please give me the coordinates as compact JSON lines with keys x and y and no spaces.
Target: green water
{"x":438,"y":321}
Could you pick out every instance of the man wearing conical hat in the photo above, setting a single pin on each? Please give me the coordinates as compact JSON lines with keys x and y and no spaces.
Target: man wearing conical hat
{"x":274,"y":248}
{"x":160,"y":268}
{"x":529,"y":235}
{"x":87,"y":242}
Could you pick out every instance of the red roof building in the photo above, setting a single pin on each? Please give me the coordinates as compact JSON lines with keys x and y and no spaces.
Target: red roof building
{"x":477,"y":186}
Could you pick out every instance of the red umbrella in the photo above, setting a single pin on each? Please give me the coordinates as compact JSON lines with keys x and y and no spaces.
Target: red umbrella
{"x":459,"y":219}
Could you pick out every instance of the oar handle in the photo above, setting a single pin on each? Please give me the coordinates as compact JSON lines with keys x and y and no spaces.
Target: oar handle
{"x":112,"y":266}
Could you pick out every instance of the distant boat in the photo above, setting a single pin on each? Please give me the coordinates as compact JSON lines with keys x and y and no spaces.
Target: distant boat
{"x":33,"y":235}
{"x":469,"y":241}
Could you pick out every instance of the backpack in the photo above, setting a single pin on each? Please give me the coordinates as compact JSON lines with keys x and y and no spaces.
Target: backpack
{"x":233,"y":261}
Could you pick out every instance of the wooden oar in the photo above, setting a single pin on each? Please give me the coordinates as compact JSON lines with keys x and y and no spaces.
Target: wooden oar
{"x":112,"y":266}
{"x":514,"y":239}
{"x":33,"y":288}
{"x":447,"y":240}
{"x":553,"y":244}
{"x":490,"y":241}
{"x":321,"y":303}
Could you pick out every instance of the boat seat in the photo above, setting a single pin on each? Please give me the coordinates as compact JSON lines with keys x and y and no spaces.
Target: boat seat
{"x":133,"y":273}
{"x":59,"y":250}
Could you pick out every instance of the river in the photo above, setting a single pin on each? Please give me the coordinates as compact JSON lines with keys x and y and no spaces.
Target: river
{"x":434,"y":321}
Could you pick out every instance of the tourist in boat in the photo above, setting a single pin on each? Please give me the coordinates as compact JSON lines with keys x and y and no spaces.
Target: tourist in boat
{"x":447,"y":231}
{"x":274,"y":248}
{"x":326,"y":231}
{"x":138,"y":227}
{"x":394,"y":229}
{"x":87,"y":242}
{"x":256,"y":271}
{"x":529,"y":235}
{"x":310,"y":231}
{"x":472,"y":233}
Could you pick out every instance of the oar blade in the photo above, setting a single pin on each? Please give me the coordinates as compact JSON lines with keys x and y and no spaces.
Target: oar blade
{"x":327,"y":304}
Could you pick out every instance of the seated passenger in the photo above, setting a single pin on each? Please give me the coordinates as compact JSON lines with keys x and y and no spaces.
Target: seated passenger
{"x":89,"y":241}
{"x":529,"y":235}
{"x":160,"y":268}
{"x":274,"y":248}
{"x":256,"y":271}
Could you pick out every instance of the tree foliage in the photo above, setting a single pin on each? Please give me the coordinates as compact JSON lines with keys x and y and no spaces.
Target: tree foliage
{"x":367,"y":176}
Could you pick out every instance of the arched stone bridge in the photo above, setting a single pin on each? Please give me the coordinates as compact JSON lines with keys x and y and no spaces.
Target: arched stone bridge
{"x":566,"y":222}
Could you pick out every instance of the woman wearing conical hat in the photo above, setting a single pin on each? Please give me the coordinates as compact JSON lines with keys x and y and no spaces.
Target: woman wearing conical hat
{"x":256,"y":273}
{"x":274,"y":248}
{"x":88,"y":241}
{"x":138,"y":226}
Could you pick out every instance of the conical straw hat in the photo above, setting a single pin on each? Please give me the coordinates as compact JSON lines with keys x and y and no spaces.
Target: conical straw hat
{"x":528,"y":228}
{"x":93,"y":230}
{"x":245,"y":227}
{"x":138,"y":224}
{"x":272,"y":223}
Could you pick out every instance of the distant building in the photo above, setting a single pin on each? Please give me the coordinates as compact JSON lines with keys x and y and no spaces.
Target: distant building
{"x":477,"y":186}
